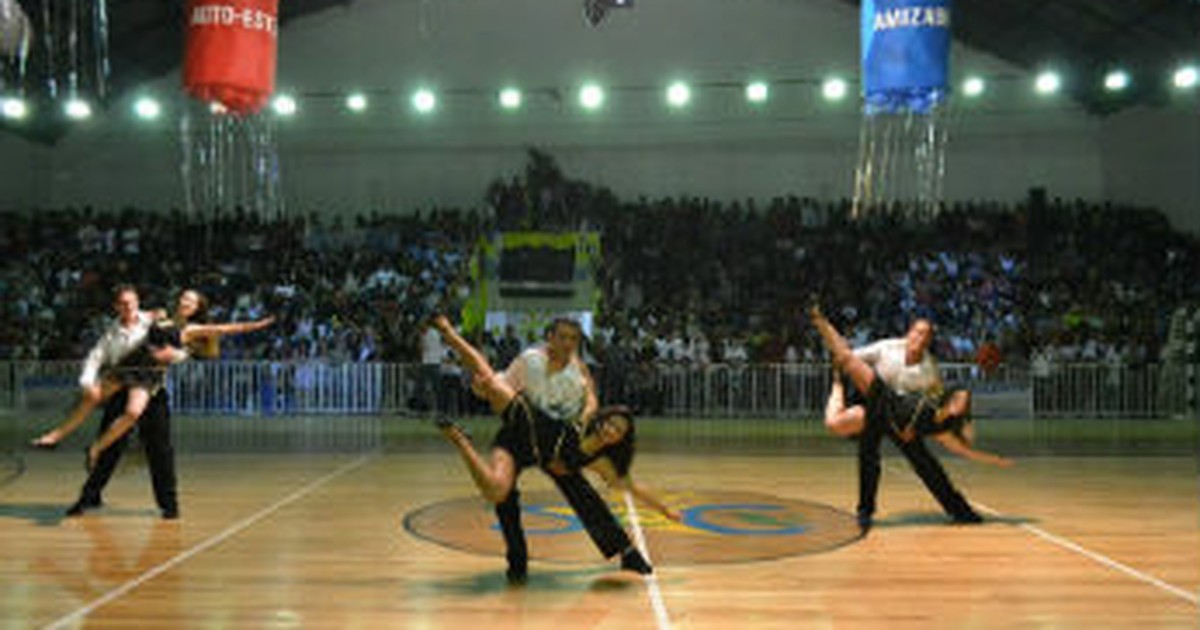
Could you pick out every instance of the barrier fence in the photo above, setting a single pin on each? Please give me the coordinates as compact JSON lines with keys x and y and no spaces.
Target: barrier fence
{"x":792,"y":391}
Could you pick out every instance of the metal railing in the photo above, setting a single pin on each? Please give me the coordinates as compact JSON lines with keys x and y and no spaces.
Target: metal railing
{"x":761,"y":390}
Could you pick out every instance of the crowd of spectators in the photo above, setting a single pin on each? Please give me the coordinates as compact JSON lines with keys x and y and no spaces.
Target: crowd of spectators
{"x":340,"y":291}
{"x":683,"y":280}
{"x":1073,"y":281}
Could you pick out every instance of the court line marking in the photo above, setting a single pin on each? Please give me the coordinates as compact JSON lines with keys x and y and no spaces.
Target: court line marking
{"x":219,"y":538}
{"x":1071,"y":545}
{"x":1097,"y":557}
{"x":656,"y":598}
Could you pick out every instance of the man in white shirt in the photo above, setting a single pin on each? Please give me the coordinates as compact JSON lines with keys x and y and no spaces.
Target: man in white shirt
{"x":904,"y":365}
{"x":553,"y":378}
{"x":121,"y":337}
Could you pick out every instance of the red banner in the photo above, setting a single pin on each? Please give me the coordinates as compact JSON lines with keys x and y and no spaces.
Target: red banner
{"x":230,"y":52}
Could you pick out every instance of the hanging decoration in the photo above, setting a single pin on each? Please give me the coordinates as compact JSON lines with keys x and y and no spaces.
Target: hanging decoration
{"x":16,"y":33}
{"x":230,"y":52}
{"x":230,"y":161}
{"x":905,"y":54}
{"x":54,"y":48}
{"x":902,"y":141}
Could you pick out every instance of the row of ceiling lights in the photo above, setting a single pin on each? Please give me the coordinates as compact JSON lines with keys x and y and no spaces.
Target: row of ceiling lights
{"x":592,"y":96}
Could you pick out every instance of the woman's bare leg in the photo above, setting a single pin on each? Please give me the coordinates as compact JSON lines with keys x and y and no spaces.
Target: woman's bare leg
{"x":494,"y":479}
{"x":840,"y":420}
{"x":844,"y":359}
{"x":136,"y":400}
{"x":88,"y":401}
{"x":485,"y":382}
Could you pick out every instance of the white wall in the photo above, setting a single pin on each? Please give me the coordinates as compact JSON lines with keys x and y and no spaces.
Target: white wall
{"x":1152,"y":157}
{"x":721,"y":147}
{"x":22,"y":164}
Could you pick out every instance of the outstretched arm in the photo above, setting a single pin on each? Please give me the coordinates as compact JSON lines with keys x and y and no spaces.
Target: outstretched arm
{"x":196,"y":331}
{"x":955,"y":445}
{"x":640,"y":492}
{"x":590,"y":401}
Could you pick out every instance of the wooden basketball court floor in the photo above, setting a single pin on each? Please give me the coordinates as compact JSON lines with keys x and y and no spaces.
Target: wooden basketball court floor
{"x":295,"y":540}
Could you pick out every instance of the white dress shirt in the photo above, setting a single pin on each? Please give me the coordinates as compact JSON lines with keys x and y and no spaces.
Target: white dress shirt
{"x":118,"y":340}
{"x":887,"y":357}
{"x":560,"y":395}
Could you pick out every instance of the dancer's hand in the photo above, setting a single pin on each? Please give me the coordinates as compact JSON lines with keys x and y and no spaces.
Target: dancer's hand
{"x":166,"y":355}
{"x":47,"y":440}
{"x":93,"y":456}
{"x":441,"y":323}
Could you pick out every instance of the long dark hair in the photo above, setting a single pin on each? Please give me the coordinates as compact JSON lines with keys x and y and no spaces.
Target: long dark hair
{"x":621,"y":453}
{"x":203,"y":348}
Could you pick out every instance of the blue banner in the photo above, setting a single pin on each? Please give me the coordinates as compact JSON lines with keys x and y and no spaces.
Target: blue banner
{"x":905,"y":54}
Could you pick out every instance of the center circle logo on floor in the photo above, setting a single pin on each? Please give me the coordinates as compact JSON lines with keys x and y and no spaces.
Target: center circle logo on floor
{"x":718,"y":526}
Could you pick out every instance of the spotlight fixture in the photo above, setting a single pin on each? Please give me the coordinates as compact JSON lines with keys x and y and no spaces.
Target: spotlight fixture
{"x":1185,"y":77}
{"x":356,"y":102}
{"x":284,"y":105}
{"x":510,"y":98}
{"x":834,"y":89}
{"x":1047,"y":83}
{"x":14,"y":108}
{"x":1116,"y":81}
{"x":973,"y":86}
{"x":147,"y":108}
{"x":424,"y":101}
{"x":757,"y":92}
{"x":679,"y":94}
{"x":591,"y":96}
{"x":78,"y":109}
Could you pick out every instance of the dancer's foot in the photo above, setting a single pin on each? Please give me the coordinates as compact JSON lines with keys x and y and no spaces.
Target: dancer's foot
{"x":864,"y":524}
{"x":814,"y":306}
{"x":633,"y":560}
{"x":48,"y":441}
{"x":968,"y":517}
{"x":441,"y":322}
{"x":83,"y":505}
{"x":516,"y":576}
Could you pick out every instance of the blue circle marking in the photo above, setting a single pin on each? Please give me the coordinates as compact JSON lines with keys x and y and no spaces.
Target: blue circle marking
{"x":696,"y":516}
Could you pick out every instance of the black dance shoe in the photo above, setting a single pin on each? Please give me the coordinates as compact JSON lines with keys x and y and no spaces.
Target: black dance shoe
{"x":516,"y":576}
{"x":967,"y":518}
{"x":633,"y":560}
{"x":83,"y":505}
